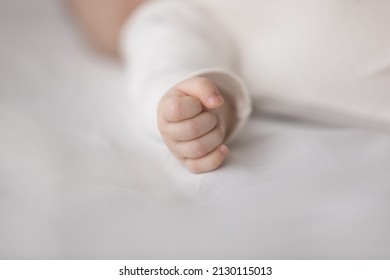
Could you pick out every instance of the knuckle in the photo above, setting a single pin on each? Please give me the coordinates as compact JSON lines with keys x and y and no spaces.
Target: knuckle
{"x":166,"y":135}
{"x":174,"y":108}
{"x":163,"y":130}
{"x":202,"y":80}
{"x":162,"y":125}
{"x":205,"y":84}
{"x":192,"y":128}
{"x":197,"y":150}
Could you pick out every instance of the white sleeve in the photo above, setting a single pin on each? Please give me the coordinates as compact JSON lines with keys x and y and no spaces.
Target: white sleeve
{"x":167,"y":41}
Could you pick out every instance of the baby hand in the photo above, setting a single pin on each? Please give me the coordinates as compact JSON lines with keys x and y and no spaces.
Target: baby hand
{"x":191,"y":122}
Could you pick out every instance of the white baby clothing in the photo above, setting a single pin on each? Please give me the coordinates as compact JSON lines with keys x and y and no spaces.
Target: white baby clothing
{"x":331,"y":54}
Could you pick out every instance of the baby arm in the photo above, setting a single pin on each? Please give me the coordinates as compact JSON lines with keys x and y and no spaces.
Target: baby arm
{"x":177,"y":57}
{"x":194,"y":120}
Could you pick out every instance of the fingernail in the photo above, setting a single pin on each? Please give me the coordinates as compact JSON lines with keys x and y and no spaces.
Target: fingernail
{"x":214,"y":99}
{"x":224,"y":150}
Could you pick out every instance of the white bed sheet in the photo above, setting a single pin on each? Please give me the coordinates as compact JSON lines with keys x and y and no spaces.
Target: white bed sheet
{"x":76,"y":181}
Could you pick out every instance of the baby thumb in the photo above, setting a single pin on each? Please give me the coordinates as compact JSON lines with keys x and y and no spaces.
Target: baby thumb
{"x":206,"y":91}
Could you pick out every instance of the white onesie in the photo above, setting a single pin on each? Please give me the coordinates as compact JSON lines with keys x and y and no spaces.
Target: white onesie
{"x":332,"y":54}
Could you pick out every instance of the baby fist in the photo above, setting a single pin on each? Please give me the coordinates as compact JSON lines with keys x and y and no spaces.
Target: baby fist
{"x":192,"y":125}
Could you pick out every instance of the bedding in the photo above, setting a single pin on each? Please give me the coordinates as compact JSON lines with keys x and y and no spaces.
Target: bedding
{"x":78,"y":181}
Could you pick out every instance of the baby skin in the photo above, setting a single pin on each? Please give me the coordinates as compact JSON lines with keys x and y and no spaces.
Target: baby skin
{"x":194,"y":119}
